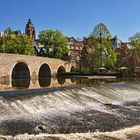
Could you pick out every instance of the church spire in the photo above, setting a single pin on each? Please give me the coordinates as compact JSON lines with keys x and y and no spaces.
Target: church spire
{"x":30,"y":29}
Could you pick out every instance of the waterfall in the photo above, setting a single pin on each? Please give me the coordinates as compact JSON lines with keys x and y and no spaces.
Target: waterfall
{"x":105,"y":106}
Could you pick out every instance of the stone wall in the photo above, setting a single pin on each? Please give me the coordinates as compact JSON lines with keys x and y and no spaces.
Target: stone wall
{"x":8,"y":61}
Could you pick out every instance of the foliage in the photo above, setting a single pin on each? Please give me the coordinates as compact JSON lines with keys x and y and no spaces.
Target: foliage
{"x":100,"y":30}
{"x":104,"y":55}
{"x":129,"y":56}
{"x":8,"y":32}
{"x":54,"y":42}
{"x":135,"y":36}
{"x":12,"y":43}
{"x":135,"y":41}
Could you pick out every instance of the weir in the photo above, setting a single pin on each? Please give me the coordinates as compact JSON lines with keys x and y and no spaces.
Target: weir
{"x":83,"y":108}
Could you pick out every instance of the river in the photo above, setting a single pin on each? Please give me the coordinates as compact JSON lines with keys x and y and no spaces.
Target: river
{"x":77,"y":105}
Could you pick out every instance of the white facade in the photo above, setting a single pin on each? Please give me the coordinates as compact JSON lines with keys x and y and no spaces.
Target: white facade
{"x":1,"y":34}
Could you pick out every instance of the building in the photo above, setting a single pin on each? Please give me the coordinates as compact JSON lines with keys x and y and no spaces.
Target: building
{"x":116,"y":42}
{"x":75,"y":47}
{"x":30,"y":30}
{"x":86,"y":59}
{"x":18,"y":32}
{"x":39,"y":48}
{"x":1,"y":34}
{"x":89,"y":41}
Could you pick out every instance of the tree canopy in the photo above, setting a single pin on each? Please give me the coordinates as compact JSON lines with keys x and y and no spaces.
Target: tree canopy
{"x":135,"y":37}
{"x":104,"y":54}
{"x":12,"y":43}
{"x":135,"y":41}
{"x":100,"y":30}
{"x":54,"y":42}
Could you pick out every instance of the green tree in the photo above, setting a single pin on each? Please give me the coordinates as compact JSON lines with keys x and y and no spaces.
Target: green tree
{"x":19,"y":44}
{"x":54,"y":42}
{"x":135,"y":36}
{"x":104,"y":52}
{"x":109,"y":56}
{"x":8,"y":32}
{"x":135,"y":42}
{"x":100,"y":31}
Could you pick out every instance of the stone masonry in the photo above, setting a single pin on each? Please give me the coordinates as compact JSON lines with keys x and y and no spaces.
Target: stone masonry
{"x":8,"y":62}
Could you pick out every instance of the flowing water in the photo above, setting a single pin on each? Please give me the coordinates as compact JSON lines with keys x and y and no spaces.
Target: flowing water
{"x":70,"y":106}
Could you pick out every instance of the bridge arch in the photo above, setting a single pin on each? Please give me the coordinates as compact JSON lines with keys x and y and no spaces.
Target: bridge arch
{"x":44,"y":75}
{"x":20,"y":71}
{"x":61,"y":70}
{"x":44,"y":71}
{"x":73,"y":69}
{"x":11,"y":64}
{"x":20,"y":74}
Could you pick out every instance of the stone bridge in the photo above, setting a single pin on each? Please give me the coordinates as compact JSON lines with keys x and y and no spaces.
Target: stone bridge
{"x":14,"y":66}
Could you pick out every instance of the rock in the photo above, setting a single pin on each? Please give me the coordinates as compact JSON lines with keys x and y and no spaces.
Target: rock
{"x":40,"y":128}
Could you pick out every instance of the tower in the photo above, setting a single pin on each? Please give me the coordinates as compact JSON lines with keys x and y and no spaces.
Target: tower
{"x":30,"y":30}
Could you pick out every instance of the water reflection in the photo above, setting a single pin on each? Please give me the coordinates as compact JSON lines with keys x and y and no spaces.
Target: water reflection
{"x":61,"y":81}
{"x":22,"y":83}
{"x":86,"y":81}
{"x":41,"y":82}
{"x":45,"y":82}
{"x":58,"y":82}
{"x":73,"y":80}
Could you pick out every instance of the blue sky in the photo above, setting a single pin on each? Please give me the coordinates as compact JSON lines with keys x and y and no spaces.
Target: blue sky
{"x":73,"y":17}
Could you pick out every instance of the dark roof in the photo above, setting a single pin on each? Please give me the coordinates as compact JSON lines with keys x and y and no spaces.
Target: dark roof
{"x":29,"y":23}
{"x":17,"y":32}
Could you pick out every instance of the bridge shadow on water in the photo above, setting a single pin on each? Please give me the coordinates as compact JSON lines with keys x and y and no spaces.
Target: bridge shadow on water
{"x":42,"y":82}
{"x":21,"y":83}
{"x":48,"y":81}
